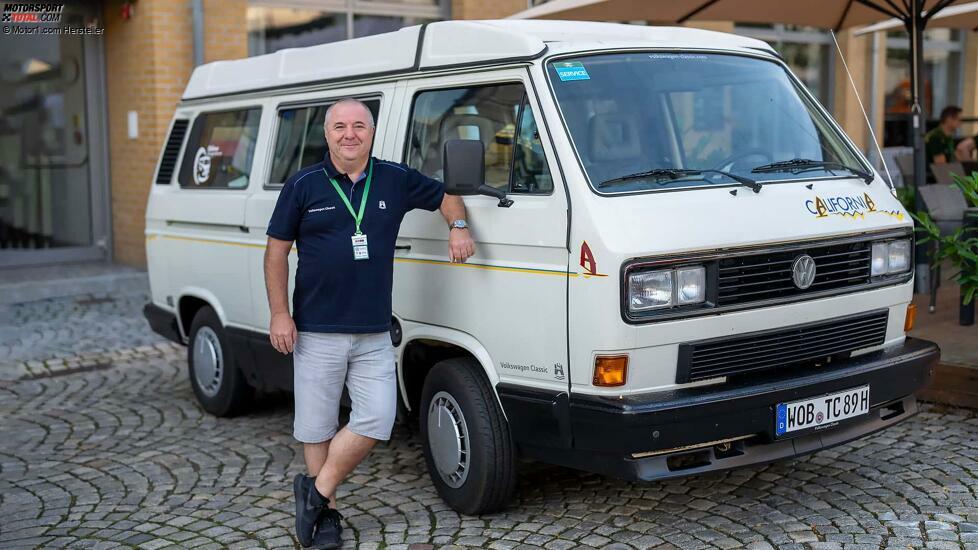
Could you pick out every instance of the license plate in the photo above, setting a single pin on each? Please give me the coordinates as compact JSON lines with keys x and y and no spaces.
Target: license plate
{"x":821,"y":411}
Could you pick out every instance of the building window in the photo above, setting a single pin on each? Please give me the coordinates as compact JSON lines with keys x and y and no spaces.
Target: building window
{"x":277,"y":24}
{"x":942,"y":85}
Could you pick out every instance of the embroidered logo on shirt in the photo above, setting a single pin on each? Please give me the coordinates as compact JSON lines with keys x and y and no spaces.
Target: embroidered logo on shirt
{"x":311,"y":210}
{"x":383,"y":205}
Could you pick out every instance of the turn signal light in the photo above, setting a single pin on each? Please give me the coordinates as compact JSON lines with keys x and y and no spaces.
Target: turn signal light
{"x":911,"y":317}
{"x":610,"y":370}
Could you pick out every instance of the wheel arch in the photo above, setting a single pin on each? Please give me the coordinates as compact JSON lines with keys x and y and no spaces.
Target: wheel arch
{"x":190,"y":300}
{"x":425,"y":345}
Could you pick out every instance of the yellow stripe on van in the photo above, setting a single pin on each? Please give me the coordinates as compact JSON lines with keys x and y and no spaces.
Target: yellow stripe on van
{"x":402,"y":260}
{"x":210,"y":241}
{"x":488,"y":267}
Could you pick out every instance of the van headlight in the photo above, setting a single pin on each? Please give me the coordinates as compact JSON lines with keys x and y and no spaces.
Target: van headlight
{"x":891,"y":257}
{"x":649,"y":290}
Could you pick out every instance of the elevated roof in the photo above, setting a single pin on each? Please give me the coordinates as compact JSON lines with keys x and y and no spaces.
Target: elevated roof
{"x":439,"y":45}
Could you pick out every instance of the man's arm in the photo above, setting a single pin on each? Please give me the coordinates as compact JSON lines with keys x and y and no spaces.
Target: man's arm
{"x":281,"y":331}
{"x":460,"y":243}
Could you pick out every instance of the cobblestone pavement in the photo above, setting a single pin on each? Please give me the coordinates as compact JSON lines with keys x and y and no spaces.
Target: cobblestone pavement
{"x":121,"y":456}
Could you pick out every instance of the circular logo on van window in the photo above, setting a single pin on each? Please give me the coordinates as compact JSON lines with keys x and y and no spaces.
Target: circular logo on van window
{"x":202,"y":166}
{"x":803,"y":271}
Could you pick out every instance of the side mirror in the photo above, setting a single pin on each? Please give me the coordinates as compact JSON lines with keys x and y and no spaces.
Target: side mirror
{"x":464,"y":168}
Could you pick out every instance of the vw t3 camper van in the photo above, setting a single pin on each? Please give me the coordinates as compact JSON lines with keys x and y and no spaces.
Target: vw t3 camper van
{"x":683,"y":264}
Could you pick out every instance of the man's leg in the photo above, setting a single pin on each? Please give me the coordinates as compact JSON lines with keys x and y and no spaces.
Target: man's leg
{"x":372,"y":383}
{"x":315,"y":455}
{"x":345,"y":452}
{"x":320,"y":364}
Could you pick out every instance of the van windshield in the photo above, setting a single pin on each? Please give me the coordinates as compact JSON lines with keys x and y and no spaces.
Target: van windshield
{"x":679,"y":113}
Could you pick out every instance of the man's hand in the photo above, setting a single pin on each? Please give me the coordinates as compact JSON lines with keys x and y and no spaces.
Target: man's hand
{"x":460,"y":245}
{"x":282,"y":333}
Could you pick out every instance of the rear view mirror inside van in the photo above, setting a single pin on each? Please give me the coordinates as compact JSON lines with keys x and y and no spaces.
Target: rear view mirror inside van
{"x":465,"y":170}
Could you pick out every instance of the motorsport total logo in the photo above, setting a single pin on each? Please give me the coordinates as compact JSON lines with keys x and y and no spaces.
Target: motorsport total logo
{"x":848,"y":206}
{"x":32,"y":13}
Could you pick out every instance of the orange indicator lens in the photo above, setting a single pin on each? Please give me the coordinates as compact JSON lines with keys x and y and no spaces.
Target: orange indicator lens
{"x":610,"y":371}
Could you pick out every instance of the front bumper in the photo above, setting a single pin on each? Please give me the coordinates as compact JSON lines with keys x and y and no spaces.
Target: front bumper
{"x":666,"y":434}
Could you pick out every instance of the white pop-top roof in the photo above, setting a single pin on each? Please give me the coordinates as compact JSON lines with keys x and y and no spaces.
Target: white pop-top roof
{"x":442,"y":44}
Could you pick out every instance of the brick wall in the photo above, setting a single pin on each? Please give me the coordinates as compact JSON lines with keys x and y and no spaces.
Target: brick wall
{"x":149,"y":59}
{"x":484,"y":9}
{"x":846,"y":110}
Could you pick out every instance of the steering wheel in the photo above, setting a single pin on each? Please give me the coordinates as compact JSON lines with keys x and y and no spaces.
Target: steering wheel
{"x":760,"y":156}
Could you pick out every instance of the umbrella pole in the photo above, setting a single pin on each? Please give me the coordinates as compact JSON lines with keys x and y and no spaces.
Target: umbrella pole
{"x":915,"y":29}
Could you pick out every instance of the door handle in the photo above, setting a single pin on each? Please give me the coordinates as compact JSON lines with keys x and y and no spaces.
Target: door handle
{"x":404,"y":247}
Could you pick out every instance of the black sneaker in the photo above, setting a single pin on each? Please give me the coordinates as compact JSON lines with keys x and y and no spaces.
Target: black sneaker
{"x":328,"y":531}
{"x":309,"y":506}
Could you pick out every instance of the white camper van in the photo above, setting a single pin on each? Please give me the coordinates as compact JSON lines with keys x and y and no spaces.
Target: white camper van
{"x":683,"y":264}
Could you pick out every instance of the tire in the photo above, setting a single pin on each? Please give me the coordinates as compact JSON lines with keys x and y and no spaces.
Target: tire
{"x":484,"y":478}
{"x":220,"y":387}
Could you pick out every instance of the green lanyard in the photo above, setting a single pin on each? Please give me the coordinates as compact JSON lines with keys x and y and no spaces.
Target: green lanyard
{"x":357,"y":217}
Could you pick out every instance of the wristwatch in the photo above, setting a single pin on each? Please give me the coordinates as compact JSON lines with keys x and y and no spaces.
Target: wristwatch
{"x":458,"y":224}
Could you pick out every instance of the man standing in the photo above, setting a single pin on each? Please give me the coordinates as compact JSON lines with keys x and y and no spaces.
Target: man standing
{"x":344,"y":214}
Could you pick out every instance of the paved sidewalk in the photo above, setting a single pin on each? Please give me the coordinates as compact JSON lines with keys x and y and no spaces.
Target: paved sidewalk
{"x":120,"y":455}
{"x":53,"y":313}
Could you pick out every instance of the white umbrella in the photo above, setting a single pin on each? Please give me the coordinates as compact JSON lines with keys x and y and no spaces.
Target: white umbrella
{"x":961,"y":16}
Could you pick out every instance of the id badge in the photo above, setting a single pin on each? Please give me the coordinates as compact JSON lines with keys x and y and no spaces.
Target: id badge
{"x":360,"y":247}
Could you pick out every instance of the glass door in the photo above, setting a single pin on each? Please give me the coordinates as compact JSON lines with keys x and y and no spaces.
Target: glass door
{"x":53,"y":181}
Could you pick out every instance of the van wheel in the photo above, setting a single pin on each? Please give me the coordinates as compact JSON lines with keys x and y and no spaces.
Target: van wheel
{"x":221,"y":388}
{"x":468,"y":448}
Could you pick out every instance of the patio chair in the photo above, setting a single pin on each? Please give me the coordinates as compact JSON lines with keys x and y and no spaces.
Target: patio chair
{"x":905,"y":163}
{"x":946,"y":204}
{"x":944,"y":173}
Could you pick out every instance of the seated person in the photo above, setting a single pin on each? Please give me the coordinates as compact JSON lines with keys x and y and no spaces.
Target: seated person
{"x":939,"y":142}
{"x":966,"y":149}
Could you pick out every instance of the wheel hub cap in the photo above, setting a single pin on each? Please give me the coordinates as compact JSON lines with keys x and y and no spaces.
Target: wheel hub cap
{"x":208,"y":361}
{"x":448,"y":439}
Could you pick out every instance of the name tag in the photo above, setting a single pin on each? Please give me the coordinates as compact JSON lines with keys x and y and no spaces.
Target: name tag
{"x":360,"y":247}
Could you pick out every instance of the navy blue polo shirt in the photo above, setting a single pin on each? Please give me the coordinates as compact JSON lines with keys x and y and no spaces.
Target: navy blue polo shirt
{"x":333,"y":292}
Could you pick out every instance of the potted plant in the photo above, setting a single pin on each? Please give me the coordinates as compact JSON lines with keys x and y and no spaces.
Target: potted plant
{"x":969,"y":187}
{"x":961,"y":250}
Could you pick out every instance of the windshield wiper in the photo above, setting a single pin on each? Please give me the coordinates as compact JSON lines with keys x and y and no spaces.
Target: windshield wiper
{"x":673,"y":174}
{"x":797,"y":166}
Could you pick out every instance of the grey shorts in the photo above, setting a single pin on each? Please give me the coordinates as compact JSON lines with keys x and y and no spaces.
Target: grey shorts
{"x":323,"y":362}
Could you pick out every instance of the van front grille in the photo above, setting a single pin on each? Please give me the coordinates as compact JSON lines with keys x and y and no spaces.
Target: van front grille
{"x":767,"y":276}
{"x":798,"y":349}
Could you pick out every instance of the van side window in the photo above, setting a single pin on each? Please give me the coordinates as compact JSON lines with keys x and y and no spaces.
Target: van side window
{"x":487,"y":113}
{"x":220,"y":149}
{"x":530,"y":171}
{"x":301,"y":141}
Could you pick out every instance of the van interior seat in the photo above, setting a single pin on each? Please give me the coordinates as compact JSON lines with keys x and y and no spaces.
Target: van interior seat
{"x":614,"y":146}
{"x":464,"y":126}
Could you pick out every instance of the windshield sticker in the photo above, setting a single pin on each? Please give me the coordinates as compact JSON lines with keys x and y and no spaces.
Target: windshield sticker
{"x":202,"y":163}
{"x":847,"y":206}
{"x":676,"y":56}
{"x":571,"y":70}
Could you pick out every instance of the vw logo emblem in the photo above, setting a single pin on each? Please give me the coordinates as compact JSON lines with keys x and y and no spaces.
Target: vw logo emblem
{"x":803,"y":271}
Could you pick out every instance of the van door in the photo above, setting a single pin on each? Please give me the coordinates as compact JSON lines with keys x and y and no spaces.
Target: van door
{"x":202,"y":213}
{"x":297,"y":141}
{"x":511,"y":296}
